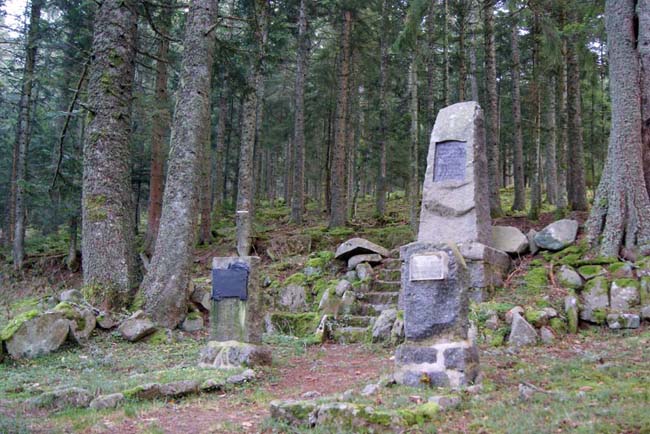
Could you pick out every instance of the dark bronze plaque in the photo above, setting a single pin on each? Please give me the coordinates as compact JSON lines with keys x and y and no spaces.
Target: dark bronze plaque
{"x":231,"y":282}
{"x":450,"y":161}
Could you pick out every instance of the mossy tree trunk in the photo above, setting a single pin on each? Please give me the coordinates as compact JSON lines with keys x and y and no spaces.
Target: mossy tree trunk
{"x":109,"y":259}
{"x":620,"y":217}
{"x":166,"y":284}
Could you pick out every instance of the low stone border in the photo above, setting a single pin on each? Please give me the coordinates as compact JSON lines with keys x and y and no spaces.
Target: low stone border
{"x":76,"y":397}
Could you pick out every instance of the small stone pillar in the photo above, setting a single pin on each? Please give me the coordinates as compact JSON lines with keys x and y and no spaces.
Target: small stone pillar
{"x":236,"y":300}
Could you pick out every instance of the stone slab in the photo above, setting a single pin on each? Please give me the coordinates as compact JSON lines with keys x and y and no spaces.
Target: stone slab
{"x":455,"y":204}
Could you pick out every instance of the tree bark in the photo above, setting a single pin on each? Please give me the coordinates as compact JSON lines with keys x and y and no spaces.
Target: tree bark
{"x":338,"y":199}
{"x":414,"y":188}
{"x":166,"y":284}
{"x":536,"y":184}
{"x":492,"y":123}
{"x":519,"y":203}
{"x":383,"y":82}
{"x":576,"y":176}
{"x":445,"y":53}
{"x":472,"y":52}
{"x":562,"y":138}
{"x":620,"y":216}
{"x":23,"y":137}
{"x":159,"y":134}
{"x":220,"y":152}
{"x":298,"y":201}
{"x":551,"y":153}
{"x":246,"y":190}
{"x":108,"y":250}
{"x":643,"y":13}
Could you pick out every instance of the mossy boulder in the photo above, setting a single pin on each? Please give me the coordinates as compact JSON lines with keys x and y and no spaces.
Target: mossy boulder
{"x":595,"y":300}
{"x":82,"y":320}
{"x":624,"y":294}
{"x":296,"y":324}
{"x":620,"y":270}
{"x":35,"y":334}
{"x":558,"y":325}
{"x":588,"y":272}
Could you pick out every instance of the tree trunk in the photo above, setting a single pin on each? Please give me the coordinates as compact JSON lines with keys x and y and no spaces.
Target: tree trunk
{"x":472,"y":52}
{"x":159,"y":134}
{"x":551,"y":159}
{"x":220,"y":152}
{"x":166,"y":284}
{"x":298,"y":201}
{"x":205,"y":192}
{"x":519,"y":203}
{"x":643,"y":47}
{"x":338,"y":204}
{"x":108,"y":250}
{"x":383,"y":82}
{"x":562,"y":139}
{"x":620,"y":216}
{"x":536,"y":184}
{"x":576,"y":176}
{"x":351,"y":120}
{"x":462,"y":68}
{"x":445,"y":52}
{"x":246,"y":190}
{"x":72,"y":260}
{"x":23,"y":137}
{"x":492,"y":124}
{"x":414,"y":188}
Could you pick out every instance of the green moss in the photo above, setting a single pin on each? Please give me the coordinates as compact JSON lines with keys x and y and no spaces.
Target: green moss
{"x":626,"y":283}
{"x":589,"y":271}
{"x":558,"y":325}
{"x":320,"y":259}
{"x":95,"y":206}
{"x":95,"y":294}
{"x":383,"y":418}
{"x":400,"y":315}
{"x":644,"y":290}
{"x":133,"y":392}
{"x":537,"y":263}
{"x":390,"y":236}
{"x":616,"y":266}
{"x":341,"y":231}
{"x":296,"y":279}
{"x":296,"y":324}
{"x":159,"y":337}
{"x":70,"y":313}
{"x":599,"y":316}
{"x":535,"y":317}
{"x":536,"y":280}
{"x":600,"y":260}
{"x":138,"y":302}
{"x":12,"y":327}
{"x":193,"y":316}
{"x":599,"y":282}
{"x":496,"y":338}
{"x":419,"y":415}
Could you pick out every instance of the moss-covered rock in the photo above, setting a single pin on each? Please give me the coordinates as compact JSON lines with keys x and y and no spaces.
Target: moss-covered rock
{"x":538,"y":318}
{"x":8,"y":330}
{"x":558,"y":325}
{"x":588,"y":272}
{"x":296,"y":324}
{"x":620,"y":270}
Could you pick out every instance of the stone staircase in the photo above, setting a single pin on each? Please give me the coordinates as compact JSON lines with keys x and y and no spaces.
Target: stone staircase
{"x":381,"y":293}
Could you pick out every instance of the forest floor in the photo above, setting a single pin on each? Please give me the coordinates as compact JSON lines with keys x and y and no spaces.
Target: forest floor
{"x":594,"y":381}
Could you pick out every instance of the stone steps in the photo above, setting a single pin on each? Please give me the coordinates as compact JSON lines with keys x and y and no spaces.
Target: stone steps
{"x":389,"y":274}
{"x":380,"y":298}
{"x":355,"y":320}
{"x":385,"y":285}
{"x":351,"y":335}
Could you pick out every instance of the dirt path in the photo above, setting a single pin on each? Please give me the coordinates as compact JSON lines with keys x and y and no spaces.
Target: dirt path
{"x":326,"y":369}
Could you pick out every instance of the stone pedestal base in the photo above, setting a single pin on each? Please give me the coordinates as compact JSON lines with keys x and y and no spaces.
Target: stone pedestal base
{"x":445,"y":364}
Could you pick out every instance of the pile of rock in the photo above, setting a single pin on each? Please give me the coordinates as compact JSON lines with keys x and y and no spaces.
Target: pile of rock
{"x":556,"y":236}
{"x":516,"y":326}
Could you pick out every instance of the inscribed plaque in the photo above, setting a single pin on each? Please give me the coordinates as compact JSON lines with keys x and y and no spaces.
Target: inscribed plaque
{"x":432,"y":266}
{"x":450,"y":161}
